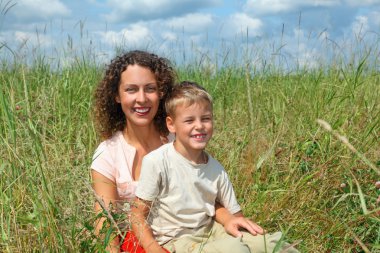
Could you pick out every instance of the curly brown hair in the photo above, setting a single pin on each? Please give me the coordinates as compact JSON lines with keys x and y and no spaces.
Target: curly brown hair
{"x":108,"y":114}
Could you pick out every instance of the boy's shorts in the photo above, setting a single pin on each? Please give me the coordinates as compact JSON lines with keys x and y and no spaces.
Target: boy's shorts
{"x":214,"y":238}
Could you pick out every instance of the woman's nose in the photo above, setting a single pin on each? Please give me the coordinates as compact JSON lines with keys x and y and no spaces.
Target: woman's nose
{"x":141,"y":96}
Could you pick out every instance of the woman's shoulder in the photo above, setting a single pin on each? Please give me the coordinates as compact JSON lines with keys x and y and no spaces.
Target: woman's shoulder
{"x":114,"y":144}
{"x":114,"y":158}
{"x":114,"y":141}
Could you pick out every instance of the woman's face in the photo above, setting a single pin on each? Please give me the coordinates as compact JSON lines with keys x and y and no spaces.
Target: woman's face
{"x":138,"y":95}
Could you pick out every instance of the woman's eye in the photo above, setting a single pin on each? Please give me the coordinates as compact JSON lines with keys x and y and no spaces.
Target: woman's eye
{"x":151,"y":89}
{"x":130,"y":90}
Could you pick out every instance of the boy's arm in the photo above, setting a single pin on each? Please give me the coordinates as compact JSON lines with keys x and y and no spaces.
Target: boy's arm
{"x":141,"y":229}
{"x":233,"y":223}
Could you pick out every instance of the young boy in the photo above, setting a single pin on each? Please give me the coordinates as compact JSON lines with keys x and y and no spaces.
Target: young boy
{"x":180,"y":184}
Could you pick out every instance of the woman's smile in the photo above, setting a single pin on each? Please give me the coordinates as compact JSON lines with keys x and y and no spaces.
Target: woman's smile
{"x":142,"y":111}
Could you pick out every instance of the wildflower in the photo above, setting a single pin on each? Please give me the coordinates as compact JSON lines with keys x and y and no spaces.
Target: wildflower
{"x":377,"y":185}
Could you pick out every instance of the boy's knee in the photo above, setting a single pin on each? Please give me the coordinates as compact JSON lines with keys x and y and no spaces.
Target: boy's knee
{"x":267,"y":243}
{"x":233,"y":244}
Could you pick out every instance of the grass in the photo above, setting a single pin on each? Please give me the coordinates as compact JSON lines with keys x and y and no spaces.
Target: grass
{"x":289,"y":173}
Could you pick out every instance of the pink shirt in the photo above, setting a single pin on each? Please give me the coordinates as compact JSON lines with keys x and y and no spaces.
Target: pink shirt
{"x":114,"y":159}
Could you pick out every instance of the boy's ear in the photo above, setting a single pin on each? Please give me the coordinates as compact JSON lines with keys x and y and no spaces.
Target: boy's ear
{"x":170,"y":124}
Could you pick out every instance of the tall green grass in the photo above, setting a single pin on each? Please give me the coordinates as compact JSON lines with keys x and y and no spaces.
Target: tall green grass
{"x":289,"y":173}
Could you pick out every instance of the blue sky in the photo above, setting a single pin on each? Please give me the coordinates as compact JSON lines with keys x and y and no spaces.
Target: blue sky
{"x":292,"y":30}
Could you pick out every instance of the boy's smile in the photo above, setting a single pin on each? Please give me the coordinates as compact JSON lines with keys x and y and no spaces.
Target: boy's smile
{"x":199,"y":137}
{"x":193,"y":127}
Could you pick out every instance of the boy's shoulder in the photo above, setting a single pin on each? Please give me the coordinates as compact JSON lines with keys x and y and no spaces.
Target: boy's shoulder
{"x":162,"y":149}
{"x":160,"y":153}
{"x":215,"y":163}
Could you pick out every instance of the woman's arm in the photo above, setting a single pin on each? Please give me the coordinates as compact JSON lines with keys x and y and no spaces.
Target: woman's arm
{"x":233,"y":223}
{"x":143,"y":232}
{"x":106,"y":191}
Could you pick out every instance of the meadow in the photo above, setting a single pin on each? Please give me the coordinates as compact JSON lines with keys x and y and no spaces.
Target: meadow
{"x":313,"y":180}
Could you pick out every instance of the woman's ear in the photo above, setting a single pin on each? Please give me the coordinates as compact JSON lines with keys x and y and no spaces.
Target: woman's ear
{"x":117,"y":99}
{"x":170,"y":124}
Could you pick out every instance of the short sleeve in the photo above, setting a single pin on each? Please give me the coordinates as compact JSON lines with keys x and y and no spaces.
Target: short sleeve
{"x":102,"y":162}
{"x":150,"y":178}
{"x":226,"y":195}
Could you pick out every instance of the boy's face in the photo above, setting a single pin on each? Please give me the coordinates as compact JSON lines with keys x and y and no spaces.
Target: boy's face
{"x":193,"y":127}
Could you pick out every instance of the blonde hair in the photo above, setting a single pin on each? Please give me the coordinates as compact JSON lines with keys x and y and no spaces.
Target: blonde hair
{"x":186,"y":93}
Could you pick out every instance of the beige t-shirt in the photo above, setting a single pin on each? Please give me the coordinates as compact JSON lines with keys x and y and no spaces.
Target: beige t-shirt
{"x":183,"y":194}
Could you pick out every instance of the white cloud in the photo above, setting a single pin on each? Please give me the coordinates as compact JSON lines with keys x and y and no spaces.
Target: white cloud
{"x":357,"y":3}
{"x":262,"y":7}
{"x":360,"y":25}
{"x":238,"y":23}
{"x":276,"y":6}
{"x":324,"y":35}
{"x":169,"y":36}
{"x":325,"y":2}
{"x":149,"y":10}
{"x":205,"y":24}
{"x":270,"y":6}
{"x":193,"y":22}
{"x":39,"y":9}
{"x":33,"y":39}
{"x":135,"y":34}
{"x":308,"y":58}
{"x":189,"y":28}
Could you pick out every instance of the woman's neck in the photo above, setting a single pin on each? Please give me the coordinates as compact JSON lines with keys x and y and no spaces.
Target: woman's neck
{"x":147,"y":138}
{"x":144,"y":140}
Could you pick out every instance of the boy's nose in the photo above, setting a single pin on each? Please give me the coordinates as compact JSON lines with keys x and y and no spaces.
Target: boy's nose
{"x":198,"y":124}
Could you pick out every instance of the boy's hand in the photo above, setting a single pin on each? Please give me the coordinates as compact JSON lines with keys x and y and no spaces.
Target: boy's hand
{"x":234,"y":226}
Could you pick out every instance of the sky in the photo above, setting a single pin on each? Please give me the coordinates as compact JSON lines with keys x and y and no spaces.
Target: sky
{"x":288,"y":32}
